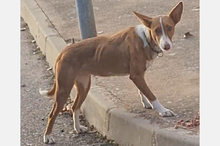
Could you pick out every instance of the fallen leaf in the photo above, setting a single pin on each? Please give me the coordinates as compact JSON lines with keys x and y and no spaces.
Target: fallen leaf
{"x":196,"y":9}
{"x":172,"y":54}
{"x":179,"y":122}
{"x":33,"y":41}
{"x":50,"y":68}
{"x":183,"y":123}
{"x":23,"y":29}
{"x":176,"y":127}
{"x":187,"y":35}
{"x":189,"y":125}
{"x":23,"y":85}
{"x":36,"y":52}
{"x":100,"y":32}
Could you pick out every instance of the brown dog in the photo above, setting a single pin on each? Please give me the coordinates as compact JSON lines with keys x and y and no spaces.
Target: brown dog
{"x":129,"y":52}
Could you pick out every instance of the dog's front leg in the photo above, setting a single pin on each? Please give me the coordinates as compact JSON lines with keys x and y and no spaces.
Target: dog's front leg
{"x":137,"y":76}
{"x":142,"y":86}
{"x":145,"y":102}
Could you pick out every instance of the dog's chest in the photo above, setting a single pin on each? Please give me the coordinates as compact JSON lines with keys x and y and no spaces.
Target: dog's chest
{"x":149,"y":63}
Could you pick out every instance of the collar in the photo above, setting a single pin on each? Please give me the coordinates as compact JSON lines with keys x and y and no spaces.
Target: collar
{"x":159,"y":54}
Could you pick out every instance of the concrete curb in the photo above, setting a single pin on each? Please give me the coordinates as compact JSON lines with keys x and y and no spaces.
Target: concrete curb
{"x":41,"y":29}
{"x":110,"y":120}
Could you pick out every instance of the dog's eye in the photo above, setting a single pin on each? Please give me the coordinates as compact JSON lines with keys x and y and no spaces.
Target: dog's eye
{"x":169,"y":28}
{"x":158,"y":30}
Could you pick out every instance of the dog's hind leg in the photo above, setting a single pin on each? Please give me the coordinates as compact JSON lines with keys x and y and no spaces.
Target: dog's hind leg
{"x":65,"y":77}
{"x":82,"y":85}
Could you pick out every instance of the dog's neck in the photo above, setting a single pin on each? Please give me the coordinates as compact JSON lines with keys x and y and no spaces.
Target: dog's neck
{"x":150,"y":47}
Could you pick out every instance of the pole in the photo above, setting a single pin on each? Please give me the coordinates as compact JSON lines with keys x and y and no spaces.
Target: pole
{"x":86,"y":18}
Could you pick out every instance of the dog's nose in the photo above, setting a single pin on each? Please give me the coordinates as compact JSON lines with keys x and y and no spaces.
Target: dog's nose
{"x":166,"y":46}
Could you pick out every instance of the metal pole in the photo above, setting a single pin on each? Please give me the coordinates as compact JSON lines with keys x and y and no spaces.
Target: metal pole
{"x":86,"y":18}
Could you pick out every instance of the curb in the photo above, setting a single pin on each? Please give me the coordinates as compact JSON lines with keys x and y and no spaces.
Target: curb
{"x":109,"y":120}
{"x":46,"y":37}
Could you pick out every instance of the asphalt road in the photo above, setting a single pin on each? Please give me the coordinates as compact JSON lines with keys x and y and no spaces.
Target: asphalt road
{"x":35,"y":109}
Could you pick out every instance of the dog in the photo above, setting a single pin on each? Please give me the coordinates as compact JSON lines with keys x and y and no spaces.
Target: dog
{"x":129,"y":52}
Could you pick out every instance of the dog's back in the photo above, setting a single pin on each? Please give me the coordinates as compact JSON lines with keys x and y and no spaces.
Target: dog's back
{"x":103,"y":55}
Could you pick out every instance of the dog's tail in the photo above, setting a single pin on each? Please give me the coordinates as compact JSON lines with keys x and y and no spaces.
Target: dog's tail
{"x":48,"y":93}
{"x":52,"y":90}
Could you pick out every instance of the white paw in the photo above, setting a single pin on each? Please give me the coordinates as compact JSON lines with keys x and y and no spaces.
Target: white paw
{"x":48,"y":139}
{"x":166,"y":113}
{"x":162,"y":110}
{"x":80,"y":129}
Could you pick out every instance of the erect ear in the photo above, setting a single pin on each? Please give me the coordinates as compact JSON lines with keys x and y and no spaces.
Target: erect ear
{"x":176,"y":12}
{"x":144,"y":19}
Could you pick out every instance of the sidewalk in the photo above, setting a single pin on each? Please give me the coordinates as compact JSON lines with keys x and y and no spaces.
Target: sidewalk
{"x":174,"y":78}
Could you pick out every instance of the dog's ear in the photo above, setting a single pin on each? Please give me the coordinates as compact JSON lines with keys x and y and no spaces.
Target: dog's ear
{"x":176,"y":12}
{"x":144,"y":19}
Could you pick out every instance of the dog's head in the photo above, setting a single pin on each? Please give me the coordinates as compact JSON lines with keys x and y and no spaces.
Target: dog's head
{"x":162,"y":27}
